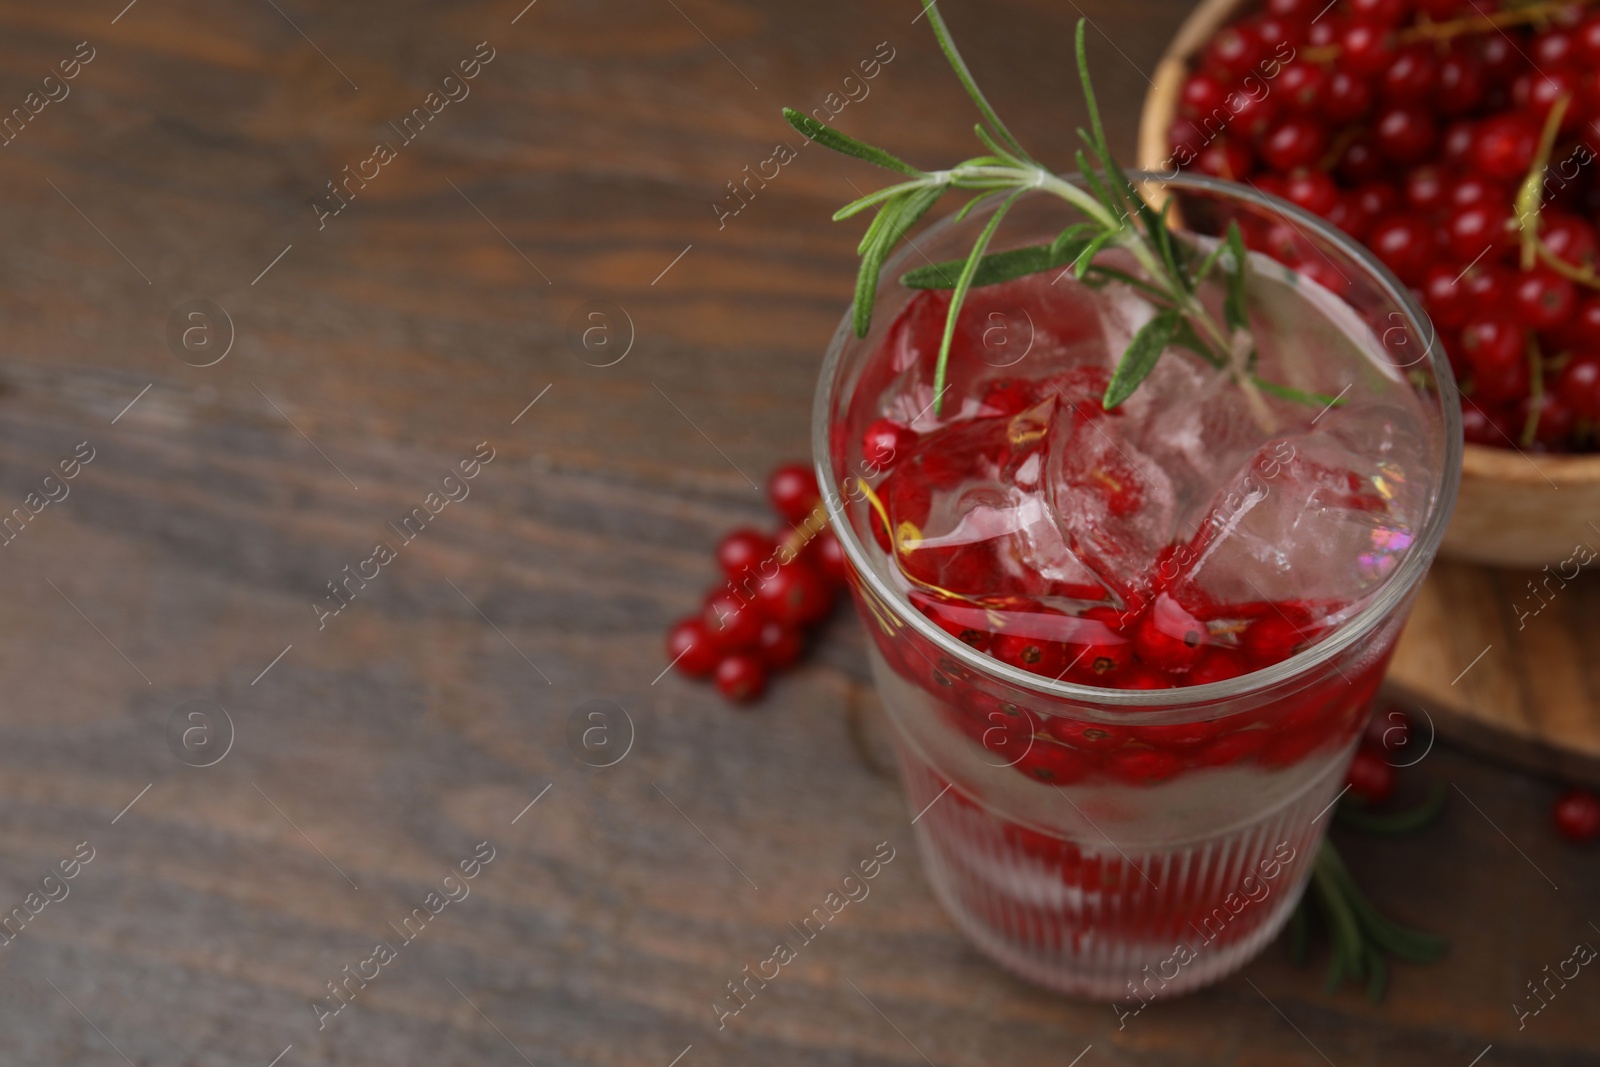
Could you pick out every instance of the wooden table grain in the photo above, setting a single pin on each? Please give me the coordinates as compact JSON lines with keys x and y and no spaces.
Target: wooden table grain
{"x":266,"y":788}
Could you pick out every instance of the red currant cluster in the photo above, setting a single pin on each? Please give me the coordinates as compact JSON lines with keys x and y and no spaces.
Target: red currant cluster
{"x":777,"y":586}
{"x":1411,"y":125}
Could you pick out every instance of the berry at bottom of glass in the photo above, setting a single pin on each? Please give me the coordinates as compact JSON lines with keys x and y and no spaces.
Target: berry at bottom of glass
{"x":1117,"y":769}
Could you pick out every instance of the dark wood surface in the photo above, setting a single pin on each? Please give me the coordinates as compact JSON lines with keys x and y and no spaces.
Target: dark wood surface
{"x":377,"y":752}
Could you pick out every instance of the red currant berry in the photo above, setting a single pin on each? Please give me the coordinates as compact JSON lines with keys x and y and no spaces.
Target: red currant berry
{"x":1481,"y":427}
{"x":1361,"y":161}
{"x":779,"y":645}
{"x":1461,"y":85}
{"x":1141,"y":766}
{"x":1411,"y":78}
{"x":1348,"y":217}
{"x":1102,"y":655}
{"x":1491,"y":341}
{"x":1502,"y":383}
{"x":1055,"y":764}
{"x":1584,"y":329}
{"x":1253,"y":116}
{"x":796,"y":595}
{"x":1543,"y":299}
{"x":1348,"y":97}
{"x":1297,"y":141}
{"x":1388,"y":732}
{"x":1304,"y":87}
{"x":1366,"y":48}
{"x":1378,"y":12}
{"x":1275,"y":31}
{"x":1406,"y":133}
{"x":1586,"y":39}
{"x":1425,"y":188}
{"x":1225,"y":158}
{"x":1029,"y":653}
{"x":1233,"y":53}
{"x":1404,"y":244}
{"x":1477,"y":228}
{"x":1370,"y":777}
{"x":1218,"y":665}
{"x":691,"y":647}
{"x":1202,"y":94}
{"x":1568,"y":237}
{"x":1536,"y":92}
{"x":1468,"y":189}
{"x":1312,"y":190}
{"x":826,"y":554}
{"x":885,"y":441}
{"x":793,"y":491}
{"x":741,"y":677}
{"x":1377,"y":199}
{"x":1579,"y":386}
{"x":1504,"y":146}
{"x":1553,"y":48}
{"x":1185,"y":139}
{"x":1486,"y":286}
{"x":1455,"y":146}
{"x":742,"y":549}
{"x":1168,"y":638}
{"x":1270,"y":639}
{"x":1576,"y":815}
{"x":1502,"y":59}
{"x":1440,"y":10}
{"x":1295,"y":10}
{"x":733,"y":624}
{"x":1325,"y":32}
{"x":1445,"y":300}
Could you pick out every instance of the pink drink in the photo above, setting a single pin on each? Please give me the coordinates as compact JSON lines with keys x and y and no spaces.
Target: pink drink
{"x":1128,"y":654}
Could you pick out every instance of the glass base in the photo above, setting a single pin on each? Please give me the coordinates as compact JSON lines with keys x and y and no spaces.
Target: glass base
{"x":1095,"y":921}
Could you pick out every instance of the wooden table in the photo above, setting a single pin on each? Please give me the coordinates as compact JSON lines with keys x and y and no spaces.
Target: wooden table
{"x":363,"y":755}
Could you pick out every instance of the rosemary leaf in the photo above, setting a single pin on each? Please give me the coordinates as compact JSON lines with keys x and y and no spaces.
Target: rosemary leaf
{"x":963,"y":284}
{"x":959,"y":65}
{"x":1113,"y":274}
{"x":994,"y":268}
{"x":896,"y":217}
{"x":1072,"y":233}
{"x":1380,"y":975}
{"x":1140,"y":358}
{"x":824,"y":134}
{"x":1398,"y":823}
{"x":888,"y":192}
{"x":1080,"y":266}
{"x":1235,"y":311}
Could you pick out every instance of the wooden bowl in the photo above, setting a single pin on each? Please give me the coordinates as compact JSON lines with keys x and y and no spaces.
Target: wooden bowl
{"x":1515,"y":509}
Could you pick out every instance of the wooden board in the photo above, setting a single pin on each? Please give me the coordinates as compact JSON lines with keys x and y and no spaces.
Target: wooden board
{"x":421,"y":720}
{"x":1508,"y":662}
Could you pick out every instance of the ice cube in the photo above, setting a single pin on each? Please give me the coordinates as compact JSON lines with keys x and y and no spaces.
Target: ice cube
{"x":1113,"y":503}
{"x":1323,"y":516}
{"x":970,"y":513}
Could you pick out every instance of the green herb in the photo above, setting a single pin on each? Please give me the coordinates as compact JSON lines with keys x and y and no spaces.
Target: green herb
{"x":1115,"y":214}
{"x":1363,"y":939}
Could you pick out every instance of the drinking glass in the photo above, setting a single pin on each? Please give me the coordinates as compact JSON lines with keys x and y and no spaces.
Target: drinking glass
{"x":1130,"y":844}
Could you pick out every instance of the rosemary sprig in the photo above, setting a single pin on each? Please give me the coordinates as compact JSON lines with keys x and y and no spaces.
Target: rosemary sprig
{"x":1115,"y":216}
{"x":1363,"y":939}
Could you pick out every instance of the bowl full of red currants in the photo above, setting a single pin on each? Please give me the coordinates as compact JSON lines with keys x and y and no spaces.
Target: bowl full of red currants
{"x":1459,"y":141}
